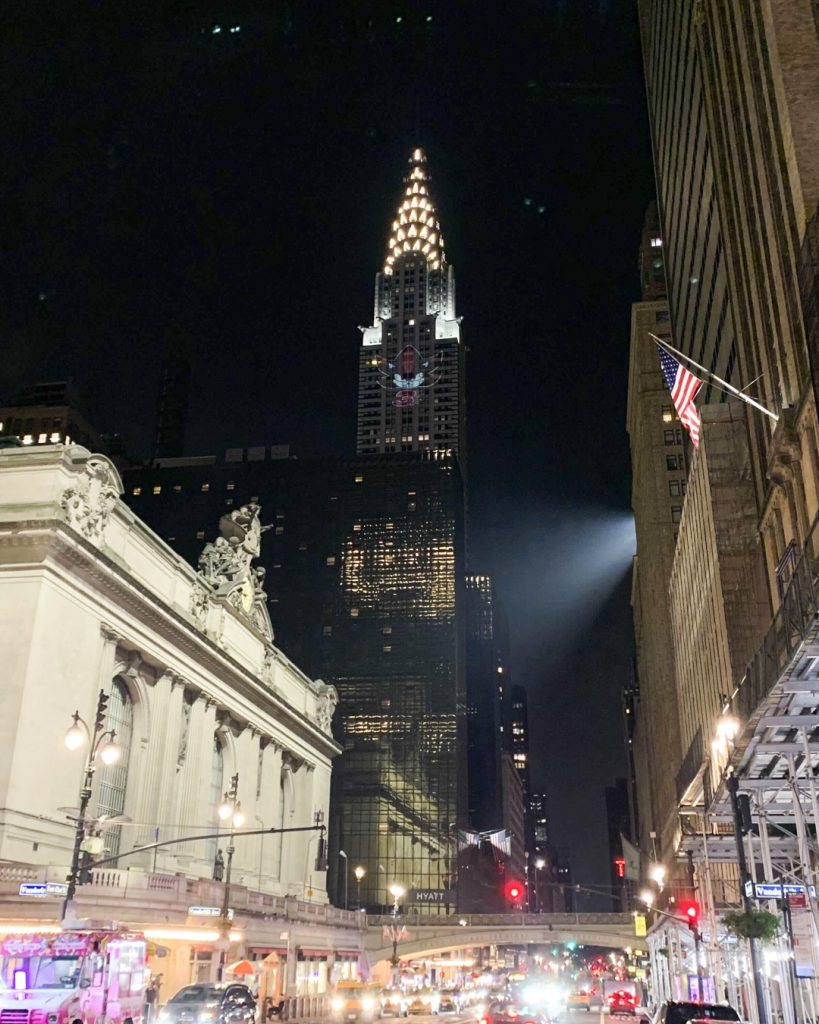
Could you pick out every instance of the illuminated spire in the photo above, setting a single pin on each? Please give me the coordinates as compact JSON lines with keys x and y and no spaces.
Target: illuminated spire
{"x":416,"y":227}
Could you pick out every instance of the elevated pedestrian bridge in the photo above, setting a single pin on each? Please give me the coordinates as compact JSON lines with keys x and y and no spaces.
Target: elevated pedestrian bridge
{"x":426,"y":935}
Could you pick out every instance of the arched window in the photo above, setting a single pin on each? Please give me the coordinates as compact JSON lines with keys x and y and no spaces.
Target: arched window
{"x":113,"y":778}
{"x":217,"y":774}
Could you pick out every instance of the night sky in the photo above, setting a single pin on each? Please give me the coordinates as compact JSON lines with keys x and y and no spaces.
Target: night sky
{"x":171,"y":187}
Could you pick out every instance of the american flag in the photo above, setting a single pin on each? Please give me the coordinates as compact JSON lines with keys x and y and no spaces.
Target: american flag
{"x":683,"y":386}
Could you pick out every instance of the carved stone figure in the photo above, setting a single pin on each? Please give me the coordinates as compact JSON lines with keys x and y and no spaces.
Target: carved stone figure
{"x":326,"y":703}
{"x":89,"y":502}
{"x":226,"y":564}
{"x":200,"y":602}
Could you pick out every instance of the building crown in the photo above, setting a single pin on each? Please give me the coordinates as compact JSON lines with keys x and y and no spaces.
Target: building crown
{"x":416,"y":227}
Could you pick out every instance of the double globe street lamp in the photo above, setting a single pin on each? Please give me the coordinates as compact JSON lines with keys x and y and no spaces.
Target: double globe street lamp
{"x":359,"y":873}
{"x":101,"y":743}
{"x":230,"y":810}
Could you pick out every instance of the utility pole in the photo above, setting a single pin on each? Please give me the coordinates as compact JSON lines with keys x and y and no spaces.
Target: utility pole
{"x":696,"y":931}
{"x":733,"y":788}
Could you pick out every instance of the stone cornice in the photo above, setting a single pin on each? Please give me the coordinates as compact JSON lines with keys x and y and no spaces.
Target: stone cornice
{"x":59,"y":545}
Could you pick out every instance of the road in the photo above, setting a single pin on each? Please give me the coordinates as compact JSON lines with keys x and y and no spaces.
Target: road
{"x":567,"y":1017}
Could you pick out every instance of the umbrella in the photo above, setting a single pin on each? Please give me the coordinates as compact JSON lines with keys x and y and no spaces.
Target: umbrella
{"x":241,"y":967}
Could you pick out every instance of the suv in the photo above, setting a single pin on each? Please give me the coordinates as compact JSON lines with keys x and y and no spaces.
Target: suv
{"x":683,"y":1013}
{"x":221,"y":1002}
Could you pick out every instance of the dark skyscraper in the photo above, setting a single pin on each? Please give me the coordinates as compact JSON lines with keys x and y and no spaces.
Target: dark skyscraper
{"x":411,"y":364}
{"x":487,"y":667}
{"x":519,"y":736}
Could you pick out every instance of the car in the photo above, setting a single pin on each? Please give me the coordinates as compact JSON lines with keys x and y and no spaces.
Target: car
{"x":393,"y":1003}
{"x":354,"y":1001}
{"x":449,"y":1001}
{"x":622,"y":1002}
{"x":580,"y":999}
{"x":221,"y":1002}
{"x":691,"y":1013}
{"x":424,"y":1000}
{"x":512,"y":1012}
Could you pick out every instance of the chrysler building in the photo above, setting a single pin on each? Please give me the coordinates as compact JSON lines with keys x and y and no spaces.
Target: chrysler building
{"x":411,"y":364}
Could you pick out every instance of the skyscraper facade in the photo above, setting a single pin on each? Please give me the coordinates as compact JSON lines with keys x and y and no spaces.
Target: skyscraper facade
{"x":659,"y":482}
{"x":692,"y":236}
{"x":411,"y":362}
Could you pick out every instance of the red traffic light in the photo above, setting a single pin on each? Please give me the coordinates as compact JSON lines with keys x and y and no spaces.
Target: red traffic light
{"x":514,"y":891}
{"x":691,"y":913}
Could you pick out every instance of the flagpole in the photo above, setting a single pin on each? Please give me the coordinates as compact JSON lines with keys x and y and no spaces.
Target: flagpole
{"x":724,"y":383}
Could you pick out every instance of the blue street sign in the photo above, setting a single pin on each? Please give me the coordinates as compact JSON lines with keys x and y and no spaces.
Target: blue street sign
{"x":33,"y":889}
{"x":43,"y":888}
{"x":775,"y":890}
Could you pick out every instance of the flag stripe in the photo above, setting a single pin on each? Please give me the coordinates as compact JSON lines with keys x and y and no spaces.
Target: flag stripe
{"x":684,"y":387}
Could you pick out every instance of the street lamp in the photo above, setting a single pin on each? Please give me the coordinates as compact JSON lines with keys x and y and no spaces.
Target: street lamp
{"x":346,"y":859}
{"x":100,"y":742}
{"x":657,"y":874}
{"x":359,"y":873}
{"x":397,"y":892}
{"x":540,"y":864}
{"x":646,"y":896}
{"x":727,"y":728}
{"x":229,"y":809}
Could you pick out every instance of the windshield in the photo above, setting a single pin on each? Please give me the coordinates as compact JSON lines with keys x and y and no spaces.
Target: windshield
{"x":27,"y":972}
{"x":195,"y":994}
{"x":683,"y":1012}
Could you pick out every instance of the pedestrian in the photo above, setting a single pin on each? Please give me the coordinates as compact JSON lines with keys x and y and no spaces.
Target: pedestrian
{"x":150,"y":1000}
{"x":218,"y":867}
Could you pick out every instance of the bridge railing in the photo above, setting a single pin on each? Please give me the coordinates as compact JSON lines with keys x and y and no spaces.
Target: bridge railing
{"x":510,"y":920}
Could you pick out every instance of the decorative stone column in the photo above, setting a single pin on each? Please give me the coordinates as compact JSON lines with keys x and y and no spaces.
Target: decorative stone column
{"x":195,"y":815}
{"x":269,"y":807}
{"x":154,"y":721}
{"x":108,"y":657}
{"x":246,"y":858}
{"x":298,"y":848}
{"x":167,"y":806}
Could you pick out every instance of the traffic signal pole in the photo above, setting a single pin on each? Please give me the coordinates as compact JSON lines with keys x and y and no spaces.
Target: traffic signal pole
{"x":732,"y":783}
{"x":694,"y":925}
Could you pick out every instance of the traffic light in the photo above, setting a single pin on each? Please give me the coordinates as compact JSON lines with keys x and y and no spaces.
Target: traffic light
{"x":514,"y":891}
{"x":102,"y":710}
{"x":691,"y":913}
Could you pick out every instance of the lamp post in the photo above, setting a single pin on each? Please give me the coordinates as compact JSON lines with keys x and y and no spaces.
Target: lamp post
{"x":540,"y":864}
{"x":397,"y":892}
{"x":100,"y":742}
{"x":359,"y":873}
{"x":346,"y":859}
{"x":229,"y":810}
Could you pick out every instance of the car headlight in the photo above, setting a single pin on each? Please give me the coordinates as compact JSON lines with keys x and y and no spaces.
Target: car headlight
{"x":164,"y":1014}
{"x":336,"y":1004}
{"x":368,"y":1004}
{"x":206,"y":1015}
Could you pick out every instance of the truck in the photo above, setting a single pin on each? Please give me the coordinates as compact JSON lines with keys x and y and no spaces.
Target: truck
{"x":73,"y":977}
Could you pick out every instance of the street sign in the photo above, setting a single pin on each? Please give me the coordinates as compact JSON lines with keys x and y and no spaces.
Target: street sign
{"x":640,"y":926}
{"x":44,"y":889}
{"x":775,"y":890}
{"x":208,"y":912}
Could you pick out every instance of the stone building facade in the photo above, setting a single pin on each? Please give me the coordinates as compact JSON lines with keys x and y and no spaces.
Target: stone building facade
{"x":92,"y":601}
